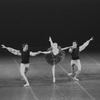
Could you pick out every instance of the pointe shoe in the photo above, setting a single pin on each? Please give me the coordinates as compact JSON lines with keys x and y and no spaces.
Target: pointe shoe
{"x":54,"y":81}
{"x":75,"y":79}
{"x":27,"y":84}
{"x":69,"y":74}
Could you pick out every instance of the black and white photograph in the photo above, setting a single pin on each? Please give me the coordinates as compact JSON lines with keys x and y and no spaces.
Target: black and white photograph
{"x":49,"y":49}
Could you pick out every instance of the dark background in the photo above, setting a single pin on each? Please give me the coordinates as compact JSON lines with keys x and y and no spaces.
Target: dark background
{"x":33,"y":21}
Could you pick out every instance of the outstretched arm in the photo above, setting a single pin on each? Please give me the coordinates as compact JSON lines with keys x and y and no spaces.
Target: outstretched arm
{"x":85,"y":44}
{"x":65,"y":48}
{"x":13,"y":51}
{"x":46,"y":52}
{"x":51,"y":42}
{"x":34,"y":53}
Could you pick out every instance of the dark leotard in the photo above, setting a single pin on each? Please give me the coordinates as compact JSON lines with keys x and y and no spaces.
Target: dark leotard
{"x":25,"y":56}
{"x":75,"y":54}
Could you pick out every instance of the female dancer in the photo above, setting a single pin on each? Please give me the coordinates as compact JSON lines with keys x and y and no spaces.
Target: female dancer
{"x":25,"y":53}
{"x":54,"y":55}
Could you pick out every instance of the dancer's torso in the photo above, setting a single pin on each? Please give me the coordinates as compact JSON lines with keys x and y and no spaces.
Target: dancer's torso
{"x":55,"y":51}
{"x":25,"y":57}
{"x":75,"y":54}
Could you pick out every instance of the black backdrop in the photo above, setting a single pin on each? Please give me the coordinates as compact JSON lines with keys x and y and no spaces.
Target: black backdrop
{"x":33,"y":21}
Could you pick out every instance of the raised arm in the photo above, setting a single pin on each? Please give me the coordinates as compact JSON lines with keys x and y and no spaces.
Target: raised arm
{"x":13,"y":51}
{"x":34,"y":53}
{"x":82,"y":47}
{"x":51,"y":42}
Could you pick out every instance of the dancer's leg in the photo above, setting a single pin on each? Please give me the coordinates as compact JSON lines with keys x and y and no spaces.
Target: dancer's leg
{"x":53,"y":73}
{"x":79,"y":68}
{"x":72,"y":68}
{"x":22,"y":71}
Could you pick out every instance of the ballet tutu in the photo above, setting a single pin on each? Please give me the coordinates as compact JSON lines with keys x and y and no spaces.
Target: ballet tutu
{"x":55,"y":59}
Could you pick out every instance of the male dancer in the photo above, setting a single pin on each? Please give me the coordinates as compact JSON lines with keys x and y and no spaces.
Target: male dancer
{"x":75,"y":60}
{"x":25,"y":53}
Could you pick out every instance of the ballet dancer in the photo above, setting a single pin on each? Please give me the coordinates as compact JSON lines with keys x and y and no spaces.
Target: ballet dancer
{"x":54,"y":55}
{"x":25,"y":54}
{"x":75,"y":59}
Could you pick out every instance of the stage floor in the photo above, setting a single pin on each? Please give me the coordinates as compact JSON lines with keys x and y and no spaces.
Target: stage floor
{"x":40,"y":78}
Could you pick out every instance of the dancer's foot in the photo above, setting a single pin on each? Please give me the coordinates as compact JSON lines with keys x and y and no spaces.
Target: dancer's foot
{"x":27,"y":84}
{"x":75,"y":79}
{"x":69,"y":74}
{"x":54,"y":81}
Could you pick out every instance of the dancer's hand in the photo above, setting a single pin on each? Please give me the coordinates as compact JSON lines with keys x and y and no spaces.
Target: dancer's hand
{"x":49,"y":38}
{"x":91,"y":39}
{"x":39,"y":52}
{"x":3,"y":46}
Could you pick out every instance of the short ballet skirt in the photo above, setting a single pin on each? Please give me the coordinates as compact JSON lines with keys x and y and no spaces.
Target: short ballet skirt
{"x":55,"y":59}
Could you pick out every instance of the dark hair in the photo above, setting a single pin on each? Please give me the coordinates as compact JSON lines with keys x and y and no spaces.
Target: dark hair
{"x":75,"y":42}
{"x":23,"y":45}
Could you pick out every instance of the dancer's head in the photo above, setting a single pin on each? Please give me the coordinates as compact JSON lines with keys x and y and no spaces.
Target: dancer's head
{"x":55,"y":45}
{"x":74,"y":44}
{"x":25,"y":46}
